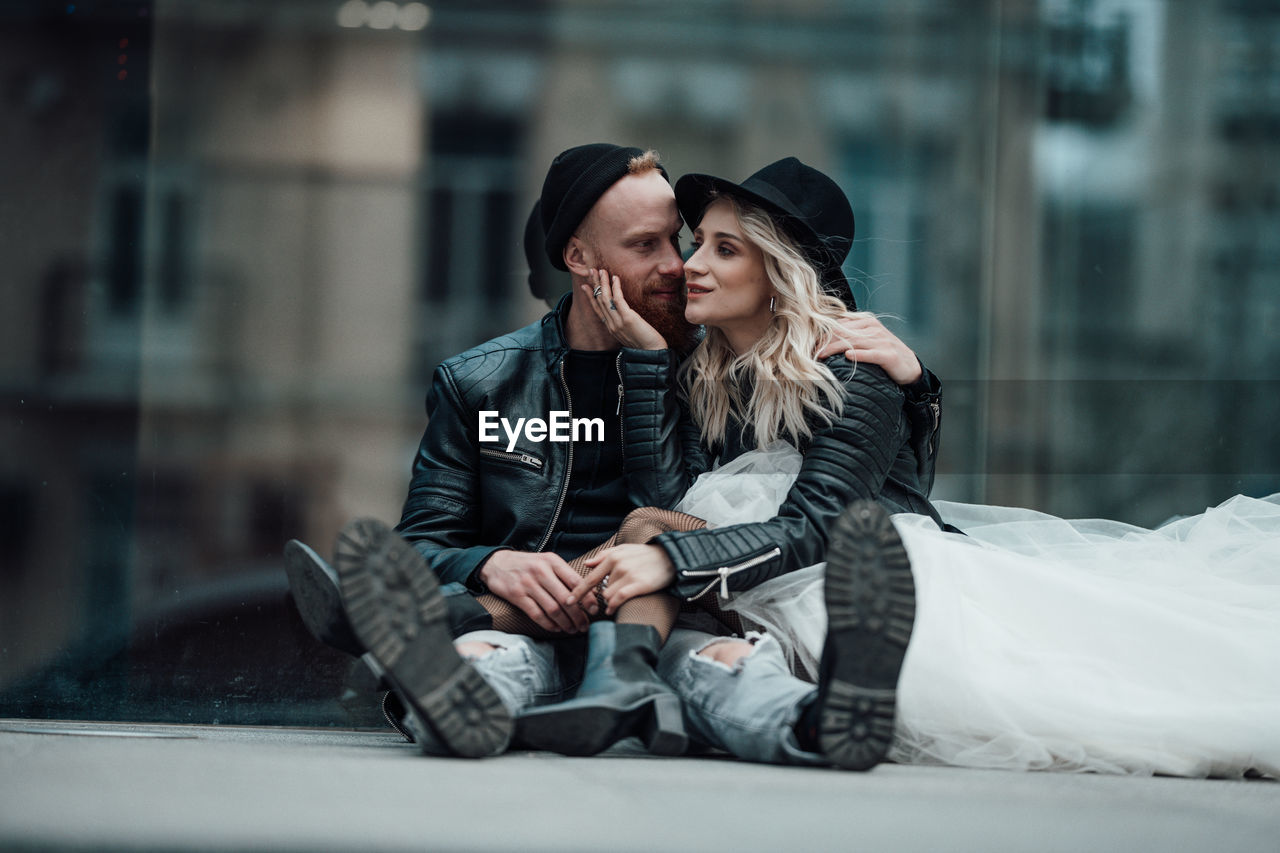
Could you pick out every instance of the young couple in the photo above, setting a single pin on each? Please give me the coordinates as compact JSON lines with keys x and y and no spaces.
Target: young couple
{"x":1015,"y":659}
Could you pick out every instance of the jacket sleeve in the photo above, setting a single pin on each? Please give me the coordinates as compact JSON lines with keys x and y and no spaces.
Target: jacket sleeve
{"x":440,"y":516}
{"x":660,"y":448}
{"x":847,"y":460}
{"x":924,"y":413}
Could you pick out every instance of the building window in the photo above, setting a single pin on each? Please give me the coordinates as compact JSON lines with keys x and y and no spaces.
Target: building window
{"x":469,"y":200}
{"x":1086,"y":65}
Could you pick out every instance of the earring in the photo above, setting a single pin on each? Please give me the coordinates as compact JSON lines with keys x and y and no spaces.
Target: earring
{"x":771,"y":300}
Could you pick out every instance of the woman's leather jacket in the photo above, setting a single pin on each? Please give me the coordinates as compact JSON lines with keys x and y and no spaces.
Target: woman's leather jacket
{"x":867,"y":452}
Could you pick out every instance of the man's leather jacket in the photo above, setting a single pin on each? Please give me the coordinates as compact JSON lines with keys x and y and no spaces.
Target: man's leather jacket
{"x":468,"y":499}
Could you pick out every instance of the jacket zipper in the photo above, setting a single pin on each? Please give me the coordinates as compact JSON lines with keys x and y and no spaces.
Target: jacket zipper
{"x":513,"y":457}
{"x":622,"y":429}
{"x":936,"y":408}
{"x":722,"y":574}
{"x":564,"y":490}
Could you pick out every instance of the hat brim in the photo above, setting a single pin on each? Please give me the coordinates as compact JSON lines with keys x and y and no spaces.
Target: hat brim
{"x":694,"y":193}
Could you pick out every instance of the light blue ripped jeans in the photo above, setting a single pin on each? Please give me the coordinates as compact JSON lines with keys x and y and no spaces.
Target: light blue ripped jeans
{"x":749,"y":709}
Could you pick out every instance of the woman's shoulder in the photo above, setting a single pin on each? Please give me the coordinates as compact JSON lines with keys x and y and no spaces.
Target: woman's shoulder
{"x":870,"y":398}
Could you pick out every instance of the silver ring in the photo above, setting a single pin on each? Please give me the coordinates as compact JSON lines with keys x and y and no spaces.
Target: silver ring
{"x":604,"y":582}
{"x":596,"y":292}
{"x":612,"y":306}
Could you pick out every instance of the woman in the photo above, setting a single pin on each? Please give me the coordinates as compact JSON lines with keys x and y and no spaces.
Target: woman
{"x":770,"y":292}
{"x":1038,"y":643}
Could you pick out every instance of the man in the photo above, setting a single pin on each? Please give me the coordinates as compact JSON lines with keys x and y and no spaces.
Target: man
{"x":505,"y":521}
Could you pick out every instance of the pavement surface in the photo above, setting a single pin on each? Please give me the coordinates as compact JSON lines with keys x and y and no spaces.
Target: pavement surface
{"x":102,"y":786}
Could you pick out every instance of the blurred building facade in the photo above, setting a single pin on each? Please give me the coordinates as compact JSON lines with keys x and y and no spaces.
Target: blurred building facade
{"x":241,"y":234}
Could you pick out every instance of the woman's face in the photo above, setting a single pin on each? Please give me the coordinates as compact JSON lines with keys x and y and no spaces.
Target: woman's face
{"x":725,"y":279}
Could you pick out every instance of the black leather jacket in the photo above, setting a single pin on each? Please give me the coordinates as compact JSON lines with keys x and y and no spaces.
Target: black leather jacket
{"x":464,"y":493}
{"x":867,"y":452}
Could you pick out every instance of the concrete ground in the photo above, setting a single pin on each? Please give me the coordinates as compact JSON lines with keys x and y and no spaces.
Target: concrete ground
{"x":103,"y":786}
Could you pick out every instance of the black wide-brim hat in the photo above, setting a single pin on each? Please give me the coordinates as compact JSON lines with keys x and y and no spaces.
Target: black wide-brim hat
{"x":809,"y":206}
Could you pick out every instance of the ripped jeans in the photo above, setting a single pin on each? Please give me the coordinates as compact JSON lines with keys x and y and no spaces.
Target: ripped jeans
{"x":748,"y":709}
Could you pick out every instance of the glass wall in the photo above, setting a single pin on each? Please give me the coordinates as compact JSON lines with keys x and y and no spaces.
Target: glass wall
{"x":237,"y":236}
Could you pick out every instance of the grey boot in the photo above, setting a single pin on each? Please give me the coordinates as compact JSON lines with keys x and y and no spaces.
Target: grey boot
{"x":314,"y":585}
{"x":621,"y":696}
{"x":396,"y":611}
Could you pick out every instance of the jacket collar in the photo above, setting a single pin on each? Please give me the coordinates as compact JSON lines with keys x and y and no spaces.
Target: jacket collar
{"x":554,"y":341}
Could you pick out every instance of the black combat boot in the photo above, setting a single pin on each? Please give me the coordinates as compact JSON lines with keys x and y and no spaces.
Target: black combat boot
{"x":314,"y":585}
{"x":621,"y":696}
{"x":870,"y":597}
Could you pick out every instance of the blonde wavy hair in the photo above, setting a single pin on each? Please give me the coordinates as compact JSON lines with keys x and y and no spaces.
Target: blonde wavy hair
{"x":787,"y":388}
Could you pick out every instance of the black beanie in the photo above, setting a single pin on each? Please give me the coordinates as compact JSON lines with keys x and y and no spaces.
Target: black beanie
{"x":576,"y":179}
{"x":532,"y":238}
{"x":544,"y":282}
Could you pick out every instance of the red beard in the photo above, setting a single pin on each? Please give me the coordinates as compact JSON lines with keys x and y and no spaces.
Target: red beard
{"x":665,"y":315}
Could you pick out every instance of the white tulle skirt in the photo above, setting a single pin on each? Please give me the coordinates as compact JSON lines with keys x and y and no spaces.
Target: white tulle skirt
{"x":1041,"y":643}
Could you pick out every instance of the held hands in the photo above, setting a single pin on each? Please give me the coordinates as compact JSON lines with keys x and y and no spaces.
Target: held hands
{"x":628,"y":571}
{"x":864,"y":338}
{"x":539,"y":584}
{"x":629,"y":328}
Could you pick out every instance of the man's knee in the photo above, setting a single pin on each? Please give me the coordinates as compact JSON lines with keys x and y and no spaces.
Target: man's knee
{"x":727,"y":652}
{"x":474,"y":649}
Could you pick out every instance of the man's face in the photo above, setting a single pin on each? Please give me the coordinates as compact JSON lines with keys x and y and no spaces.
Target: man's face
{"x":633,"y":231}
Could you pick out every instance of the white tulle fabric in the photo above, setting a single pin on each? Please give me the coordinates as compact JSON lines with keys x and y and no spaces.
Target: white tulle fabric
{"x":1041,"y":643}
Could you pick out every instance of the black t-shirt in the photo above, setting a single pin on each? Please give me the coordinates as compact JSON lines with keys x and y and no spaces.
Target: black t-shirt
{"x":597,"y":498}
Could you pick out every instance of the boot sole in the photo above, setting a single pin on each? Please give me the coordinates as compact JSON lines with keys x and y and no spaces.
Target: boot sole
{"x":319,"y":603}
{"x":870,"y":599}
{"x":396,"y":610}
{"x":590,"y":729}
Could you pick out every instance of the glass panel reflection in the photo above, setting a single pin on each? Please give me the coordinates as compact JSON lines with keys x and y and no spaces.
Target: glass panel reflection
{"x":238,"y":236}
